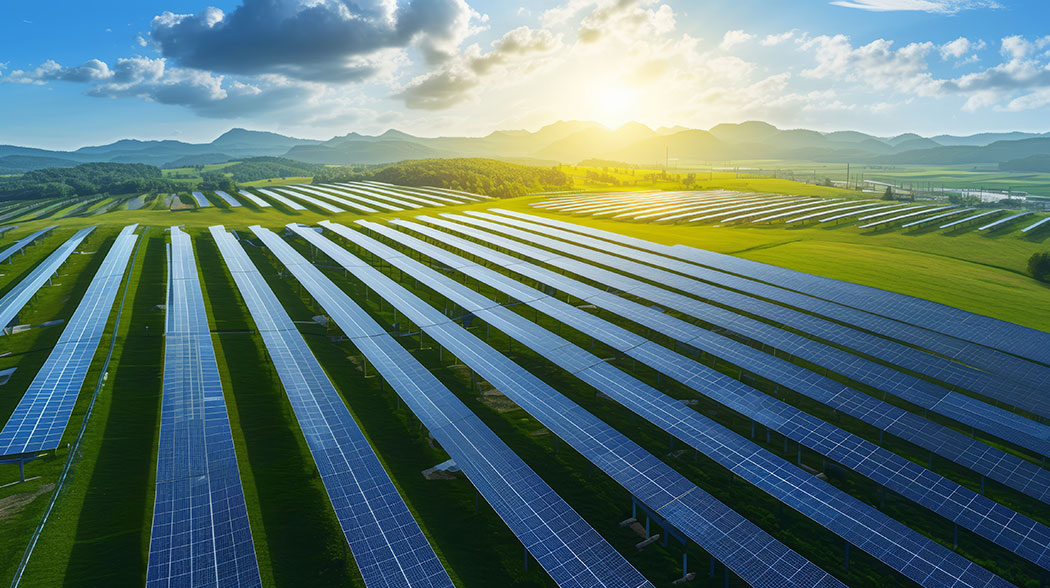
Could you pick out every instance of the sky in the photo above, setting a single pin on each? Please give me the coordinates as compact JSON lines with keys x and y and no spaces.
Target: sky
{"x":84,"y":73}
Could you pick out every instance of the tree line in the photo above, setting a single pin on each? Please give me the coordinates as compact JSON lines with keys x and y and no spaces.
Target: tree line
{"x":490,"y":177}
{"x":87,"y":179}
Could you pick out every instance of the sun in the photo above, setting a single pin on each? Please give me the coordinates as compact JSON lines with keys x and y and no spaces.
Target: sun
{"x":615,"y":101}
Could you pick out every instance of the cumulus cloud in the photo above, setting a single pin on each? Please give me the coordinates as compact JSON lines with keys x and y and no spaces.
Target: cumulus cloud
{"x":521,"y":50}
{"x":961,"y":48}
{"x":934,"y":6}
{"x":602,"y":18}
{"x":50,"y":71}
{"x":323,"y":40}
{"x":734,"y":38}
{"x":877,"y":63}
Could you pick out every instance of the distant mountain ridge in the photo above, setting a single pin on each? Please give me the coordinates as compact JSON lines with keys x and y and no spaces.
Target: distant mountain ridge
{"x":560,"y":142}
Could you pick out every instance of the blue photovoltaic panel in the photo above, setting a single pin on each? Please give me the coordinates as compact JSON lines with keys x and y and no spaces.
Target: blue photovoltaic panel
{"x":41,"y":416}
{"x":1011,"y":338}
{"x":200,"y":535}
{"x":1015,"y":381}
{"x":1020,"y":475}
{"x":227,"y":198}
{"x":691,"y":510}
{"x":569,"y":549}
{"x":202,"y":202}
{"x":896,"y":473}
{"x":21,"y":243}
{"x":17,"y":297}
{"x":793,"y":212}
{"x":254,"y":199}
{"x":964,"y":409}
{"x":387,"y":543}
{"x":788,"y":206}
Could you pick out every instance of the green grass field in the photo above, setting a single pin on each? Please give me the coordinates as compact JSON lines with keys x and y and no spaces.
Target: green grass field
{"x":98,"y":533}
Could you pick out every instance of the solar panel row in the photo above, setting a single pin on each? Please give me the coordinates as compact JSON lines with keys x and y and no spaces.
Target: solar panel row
{"x":993,"y":463}
{"x":201,"y":200}
{"x":23,"y":242}
{"x":691,"y":510}
{"x":954,"y":502}
{"x":964,"y":409}
{"x":17,"y":297}
{"x":968,"y":326}
{"x":569,"y":549}
{"x":362,"y":205}
{"x":227,"y":198}
{"x":407,"y":190}
{"x":254,"y":199}
{"x":281,"y":199}
{"x":387,"y":543}
{"x":311,"y":200}
{"x":848,"y":517}
{"x":40,"y":418}
{"x":201,"y":534}
{"x":1028,"y":376}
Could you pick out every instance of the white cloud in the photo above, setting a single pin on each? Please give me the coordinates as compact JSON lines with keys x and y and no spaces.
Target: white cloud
{"x":734,"y":38}
{"x":934,"y":6}
{"x":961,"y":48}
{"x":774,"y":40}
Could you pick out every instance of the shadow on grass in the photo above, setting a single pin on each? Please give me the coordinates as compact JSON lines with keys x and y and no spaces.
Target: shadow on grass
{"x":114,"y":522}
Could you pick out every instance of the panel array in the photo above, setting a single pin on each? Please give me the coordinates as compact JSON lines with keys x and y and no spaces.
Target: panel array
{"x":17,"y":297}
{"x":571,"y":552}
{"x":200,"y":535}
{"x":41,"y":416}
{"x":23,"y":242}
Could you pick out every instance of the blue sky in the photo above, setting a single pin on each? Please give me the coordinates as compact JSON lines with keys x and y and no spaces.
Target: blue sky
{"x":76,"y":73}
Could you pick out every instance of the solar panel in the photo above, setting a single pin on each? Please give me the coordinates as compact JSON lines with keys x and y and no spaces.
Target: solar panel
{"x":282,"y":199}
{"x":1024,"y":392}
{"x":202,"y":202}
{"x":856,"y":212}
{"x":1003,"y":221}
{"x":227,"y":198}
{"x":695,"y":513}
{"x":315,"y":201}
{"x":1035,"y":225}
{"x":201,"y":534}
{"x":935,"y":217}
{"x":339,"y":195}
{"x":351,"y":204}
{"x":407,"y":190}
{"x":813,"y":300}
{"x":969,"y":218}
{"x":254,"y":199}
{"x":17,"y":297}
{"x":900,"y":475}
{"x":571,"y":552}
{"x":40,"y":418}
{"x":387,"y":543}
{"x":4,"y":230}
{"x":23,"y":243}
{"x":790,"y":205}
{"x":964,"y":409}
{"x":914,"y":213}
{"x":401,"y":200}
{"x":828,"y":506}
{"x":857,"y":208}
{"x":795,"y":210}
{"x":766,"y":204}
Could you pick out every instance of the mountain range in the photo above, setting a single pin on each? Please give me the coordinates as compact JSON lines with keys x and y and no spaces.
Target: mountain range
{"x":562,"y":142}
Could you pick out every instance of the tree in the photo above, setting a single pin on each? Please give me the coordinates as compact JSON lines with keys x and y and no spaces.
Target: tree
{"x":889,"y":194}
{"x":1039,"y":266}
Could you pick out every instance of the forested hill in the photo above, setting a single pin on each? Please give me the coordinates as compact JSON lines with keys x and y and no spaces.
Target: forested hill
{"x":86,"y":179}
{"x":482,"y":176}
